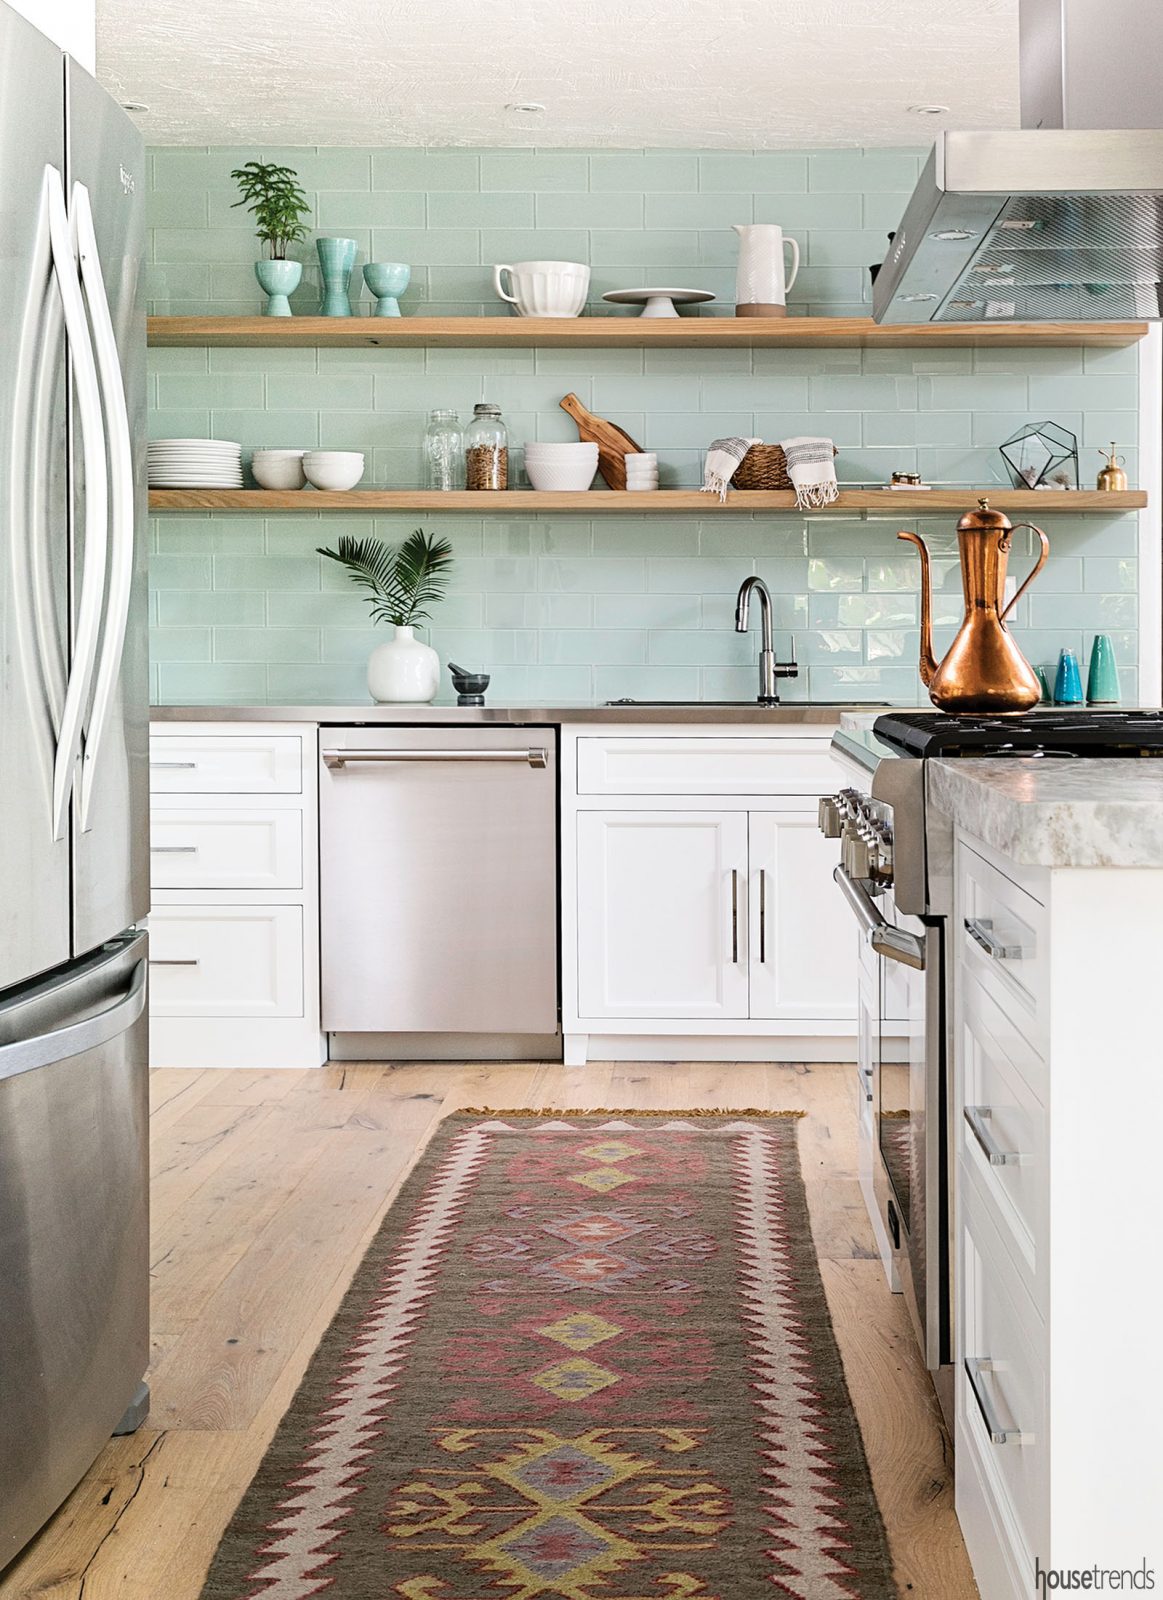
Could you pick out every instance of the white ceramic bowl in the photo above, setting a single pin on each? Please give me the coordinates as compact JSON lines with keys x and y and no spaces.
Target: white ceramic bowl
{"x":278,"y":469}
{"x":333,"y":469}
{"x":561,"y":477}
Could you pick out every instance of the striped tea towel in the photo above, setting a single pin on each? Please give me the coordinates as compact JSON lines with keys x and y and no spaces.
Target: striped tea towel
{"x":723,"y":457}
{"x":811,"y":468}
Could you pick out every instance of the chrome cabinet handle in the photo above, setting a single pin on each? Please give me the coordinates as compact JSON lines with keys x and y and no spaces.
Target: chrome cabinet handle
{"x":975,"y":1368}
{"x":977,"y":1117}
{"x":980,"y":930}
{"x":896,"y":944}
{"x":173,"y":766}
{"x":43,"y":1049}
{"x":866,"y":1074}
{"x":186,"y":961}
{"x":762,"y":915}
{"x":173,"y":849}
{"x":735,"y":915}
{"x":336,"y":759}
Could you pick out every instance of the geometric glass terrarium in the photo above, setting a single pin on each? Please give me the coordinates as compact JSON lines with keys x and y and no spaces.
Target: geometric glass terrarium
{"x":1042,"y":455}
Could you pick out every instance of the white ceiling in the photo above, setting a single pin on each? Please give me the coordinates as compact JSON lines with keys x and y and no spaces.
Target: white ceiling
{"x":732,"y":74}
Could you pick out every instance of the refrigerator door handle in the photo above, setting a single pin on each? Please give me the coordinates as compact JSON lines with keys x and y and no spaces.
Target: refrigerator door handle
{"x":42,"y":1049}
{"x":88,"y":630}
{"x":121,"y":490}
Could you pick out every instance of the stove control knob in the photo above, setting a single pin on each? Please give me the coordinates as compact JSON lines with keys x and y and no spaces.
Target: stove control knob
{"x":831,"y":823}
{"x":856,"y":856}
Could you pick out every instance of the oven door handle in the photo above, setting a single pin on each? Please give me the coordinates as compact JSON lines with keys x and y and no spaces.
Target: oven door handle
{"x":896,"y":944}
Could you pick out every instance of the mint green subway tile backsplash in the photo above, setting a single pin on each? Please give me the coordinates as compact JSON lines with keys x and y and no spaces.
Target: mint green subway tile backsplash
{"x":574,"y":609}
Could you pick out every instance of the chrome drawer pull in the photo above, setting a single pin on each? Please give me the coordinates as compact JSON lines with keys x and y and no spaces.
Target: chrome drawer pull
{"x":735,"y":914}
{"x":337,"y":759}
{"x":188,"y":961}
{"x":762,"y":916}
{"x":980,"y":930}
{"x":173,"y":766}
{"x":975,"y":1367}
{"x":174,"y":849}
{"x":977,"y":1117}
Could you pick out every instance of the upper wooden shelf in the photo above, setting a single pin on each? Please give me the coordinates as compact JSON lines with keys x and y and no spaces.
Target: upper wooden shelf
{"x":600,"y":502}
{"x":645,"y":332}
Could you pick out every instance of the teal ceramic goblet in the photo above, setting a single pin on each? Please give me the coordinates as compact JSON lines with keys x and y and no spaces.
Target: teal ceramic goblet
{"x":386,"y":280}
{"x":336,"y":261}
{"x":278,"y":279}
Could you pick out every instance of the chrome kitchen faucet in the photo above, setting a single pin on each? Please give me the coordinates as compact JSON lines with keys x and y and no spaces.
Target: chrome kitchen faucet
{"x":769,"y":668}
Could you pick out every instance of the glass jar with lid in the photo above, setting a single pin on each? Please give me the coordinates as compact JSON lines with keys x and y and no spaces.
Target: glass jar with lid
{"x":443,"y":451}
{"x":486,"y":449}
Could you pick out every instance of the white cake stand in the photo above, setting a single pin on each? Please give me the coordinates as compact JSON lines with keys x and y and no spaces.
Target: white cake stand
{"x":658,"y":302}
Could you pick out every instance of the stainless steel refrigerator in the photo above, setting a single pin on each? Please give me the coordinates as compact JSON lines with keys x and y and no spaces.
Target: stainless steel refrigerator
{"x":73,"y":779}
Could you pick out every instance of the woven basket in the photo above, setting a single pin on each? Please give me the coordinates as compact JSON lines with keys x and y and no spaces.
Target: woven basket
{"x":763,"y":467}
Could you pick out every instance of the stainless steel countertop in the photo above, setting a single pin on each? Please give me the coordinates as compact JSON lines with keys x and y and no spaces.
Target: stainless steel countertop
{"x":687,"y":714}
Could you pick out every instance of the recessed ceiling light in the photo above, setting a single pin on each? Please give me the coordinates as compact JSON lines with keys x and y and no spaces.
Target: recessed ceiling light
{"x":914,"y":298}
{"x":526,"y":108}
{"x":928,"y":111}
{"x":133,"y":105}
{"x":954,"y":233}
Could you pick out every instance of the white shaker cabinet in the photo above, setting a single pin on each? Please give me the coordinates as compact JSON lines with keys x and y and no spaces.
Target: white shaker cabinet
{"x":699,"y":917}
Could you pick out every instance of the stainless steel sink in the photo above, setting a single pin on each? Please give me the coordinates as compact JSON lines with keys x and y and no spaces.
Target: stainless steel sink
{"x":779,"y":705}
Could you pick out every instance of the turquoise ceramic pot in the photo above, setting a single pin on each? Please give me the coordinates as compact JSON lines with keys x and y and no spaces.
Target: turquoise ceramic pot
{"x":336,"y":261}
{"x":278,"y":279}
{"x":1068,"y":683}
{"x":386,"y":280}
{"x":1102,"y":681}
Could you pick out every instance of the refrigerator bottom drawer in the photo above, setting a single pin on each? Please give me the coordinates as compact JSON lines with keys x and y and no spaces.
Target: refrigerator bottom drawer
{"x":226,"y":961}
{"x":74,"y":1270}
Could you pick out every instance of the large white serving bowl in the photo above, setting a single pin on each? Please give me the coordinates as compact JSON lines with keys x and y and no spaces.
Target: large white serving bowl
{"x":563,"y":477}
{"x":333,"y":469}
{"x":279,"y":469}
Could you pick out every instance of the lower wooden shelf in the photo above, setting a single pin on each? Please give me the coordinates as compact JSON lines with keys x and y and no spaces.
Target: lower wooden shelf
{"x":613,"y":502}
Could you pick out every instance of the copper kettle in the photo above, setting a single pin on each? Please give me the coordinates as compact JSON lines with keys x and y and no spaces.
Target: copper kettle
{"x":984,"y":670}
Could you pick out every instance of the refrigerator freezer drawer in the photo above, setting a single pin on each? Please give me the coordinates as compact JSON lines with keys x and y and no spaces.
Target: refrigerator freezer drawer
{"x":74,"y":1247}
{"x":237,"y":764}
{"x":226,"y":849}
{"x":226,"y":961}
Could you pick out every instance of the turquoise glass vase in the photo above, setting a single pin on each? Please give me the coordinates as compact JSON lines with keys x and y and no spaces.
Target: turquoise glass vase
{"x":336,"y":263}
{"x":1102,"y":680}
{"x":1068,"y":683}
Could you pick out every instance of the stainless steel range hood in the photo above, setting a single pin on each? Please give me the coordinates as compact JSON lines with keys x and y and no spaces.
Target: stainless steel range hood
{"x":1063,"y":220}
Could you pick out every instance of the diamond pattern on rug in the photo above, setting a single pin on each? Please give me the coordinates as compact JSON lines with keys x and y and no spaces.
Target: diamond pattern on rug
{"x":580,"y":1330}
{"x":603,"y":1179}
{"x":576,"y":1379}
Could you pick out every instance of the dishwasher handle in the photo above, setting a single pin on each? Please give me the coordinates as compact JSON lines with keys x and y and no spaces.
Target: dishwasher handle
{"x":338,"y":759}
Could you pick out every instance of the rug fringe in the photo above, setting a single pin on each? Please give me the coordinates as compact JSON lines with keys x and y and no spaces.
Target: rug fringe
{"x":607,"y":1111}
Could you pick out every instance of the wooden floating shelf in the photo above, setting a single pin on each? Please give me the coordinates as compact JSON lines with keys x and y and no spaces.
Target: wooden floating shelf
{"x":664,"y":333}
{"x":607,"y":502}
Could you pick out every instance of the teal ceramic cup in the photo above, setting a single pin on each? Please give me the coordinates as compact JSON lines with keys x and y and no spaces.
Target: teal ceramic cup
{"x":336,"y":261}
{"x":387,"y":280}
{"x":1102,"y":680}
{"x":1041,"y":673}
{"x":278,"y":279}
{"x":1068,"y":682}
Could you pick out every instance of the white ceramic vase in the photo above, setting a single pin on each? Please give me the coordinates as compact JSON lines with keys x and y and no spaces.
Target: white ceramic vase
{"x":763,"y":279}
{"x":403,"y":670}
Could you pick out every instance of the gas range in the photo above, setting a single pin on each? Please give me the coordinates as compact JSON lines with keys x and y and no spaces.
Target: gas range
{"x":1061,"y":733}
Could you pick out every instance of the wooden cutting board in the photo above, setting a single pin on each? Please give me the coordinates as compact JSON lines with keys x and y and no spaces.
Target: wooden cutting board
{"x":613,"y":443}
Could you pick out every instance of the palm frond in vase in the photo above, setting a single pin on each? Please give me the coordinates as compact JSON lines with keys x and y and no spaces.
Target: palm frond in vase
{"x":404,"y":581}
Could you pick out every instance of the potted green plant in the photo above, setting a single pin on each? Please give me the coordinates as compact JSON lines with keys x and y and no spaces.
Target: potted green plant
{"x":273,"y":194}
{"x":402,"y":582}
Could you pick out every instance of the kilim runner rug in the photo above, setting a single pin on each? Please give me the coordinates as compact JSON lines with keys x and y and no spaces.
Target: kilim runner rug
{"x":587,"y":1357}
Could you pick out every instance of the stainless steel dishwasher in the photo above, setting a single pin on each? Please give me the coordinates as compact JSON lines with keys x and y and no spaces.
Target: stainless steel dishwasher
{"x":438,"y":878}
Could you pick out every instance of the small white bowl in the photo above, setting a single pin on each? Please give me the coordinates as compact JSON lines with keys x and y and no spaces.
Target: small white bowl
{"x":333,"y":469}
{"x":564,"y":478}
{"x":278,"y":469}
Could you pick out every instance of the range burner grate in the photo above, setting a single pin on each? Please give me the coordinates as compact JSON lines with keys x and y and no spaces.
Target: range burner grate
{"x":1052,"y":733}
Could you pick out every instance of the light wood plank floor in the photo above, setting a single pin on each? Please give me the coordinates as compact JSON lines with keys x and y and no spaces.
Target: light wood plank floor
{"x":268,"y":1187}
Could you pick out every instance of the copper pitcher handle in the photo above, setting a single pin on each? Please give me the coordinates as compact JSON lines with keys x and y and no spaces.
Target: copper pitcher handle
{"x":1037,"y":567}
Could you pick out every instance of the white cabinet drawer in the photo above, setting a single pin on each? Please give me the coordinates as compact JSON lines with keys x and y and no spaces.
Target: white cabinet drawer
{"x":226,"y":849}
{"x":1002,"y":1131}
{"x":264,"y":763}
{"x":226,"y":961}
{"x":1001,"y":1382}
{"x":688,"y":764}
{"x":1001,"y":939}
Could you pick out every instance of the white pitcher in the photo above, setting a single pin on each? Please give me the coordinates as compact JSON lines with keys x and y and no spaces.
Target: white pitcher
{"x":760,"y":283}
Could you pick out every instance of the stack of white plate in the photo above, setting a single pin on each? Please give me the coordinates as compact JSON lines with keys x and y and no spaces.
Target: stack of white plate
{"x":194,"y":464}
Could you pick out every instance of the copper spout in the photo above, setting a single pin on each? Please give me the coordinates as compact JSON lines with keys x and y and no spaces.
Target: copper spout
{"x":927,"y":666}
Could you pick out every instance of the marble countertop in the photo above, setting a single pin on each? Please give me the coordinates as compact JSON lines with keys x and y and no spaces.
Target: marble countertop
{"x":686,"y":713}
{"x":1057,"y":813}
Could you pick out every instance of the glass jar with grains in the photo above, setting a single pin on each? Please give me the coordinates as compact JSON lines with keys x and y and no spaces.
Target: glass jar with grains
{"x":486,"y":449}
{"x":444,"y":451}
